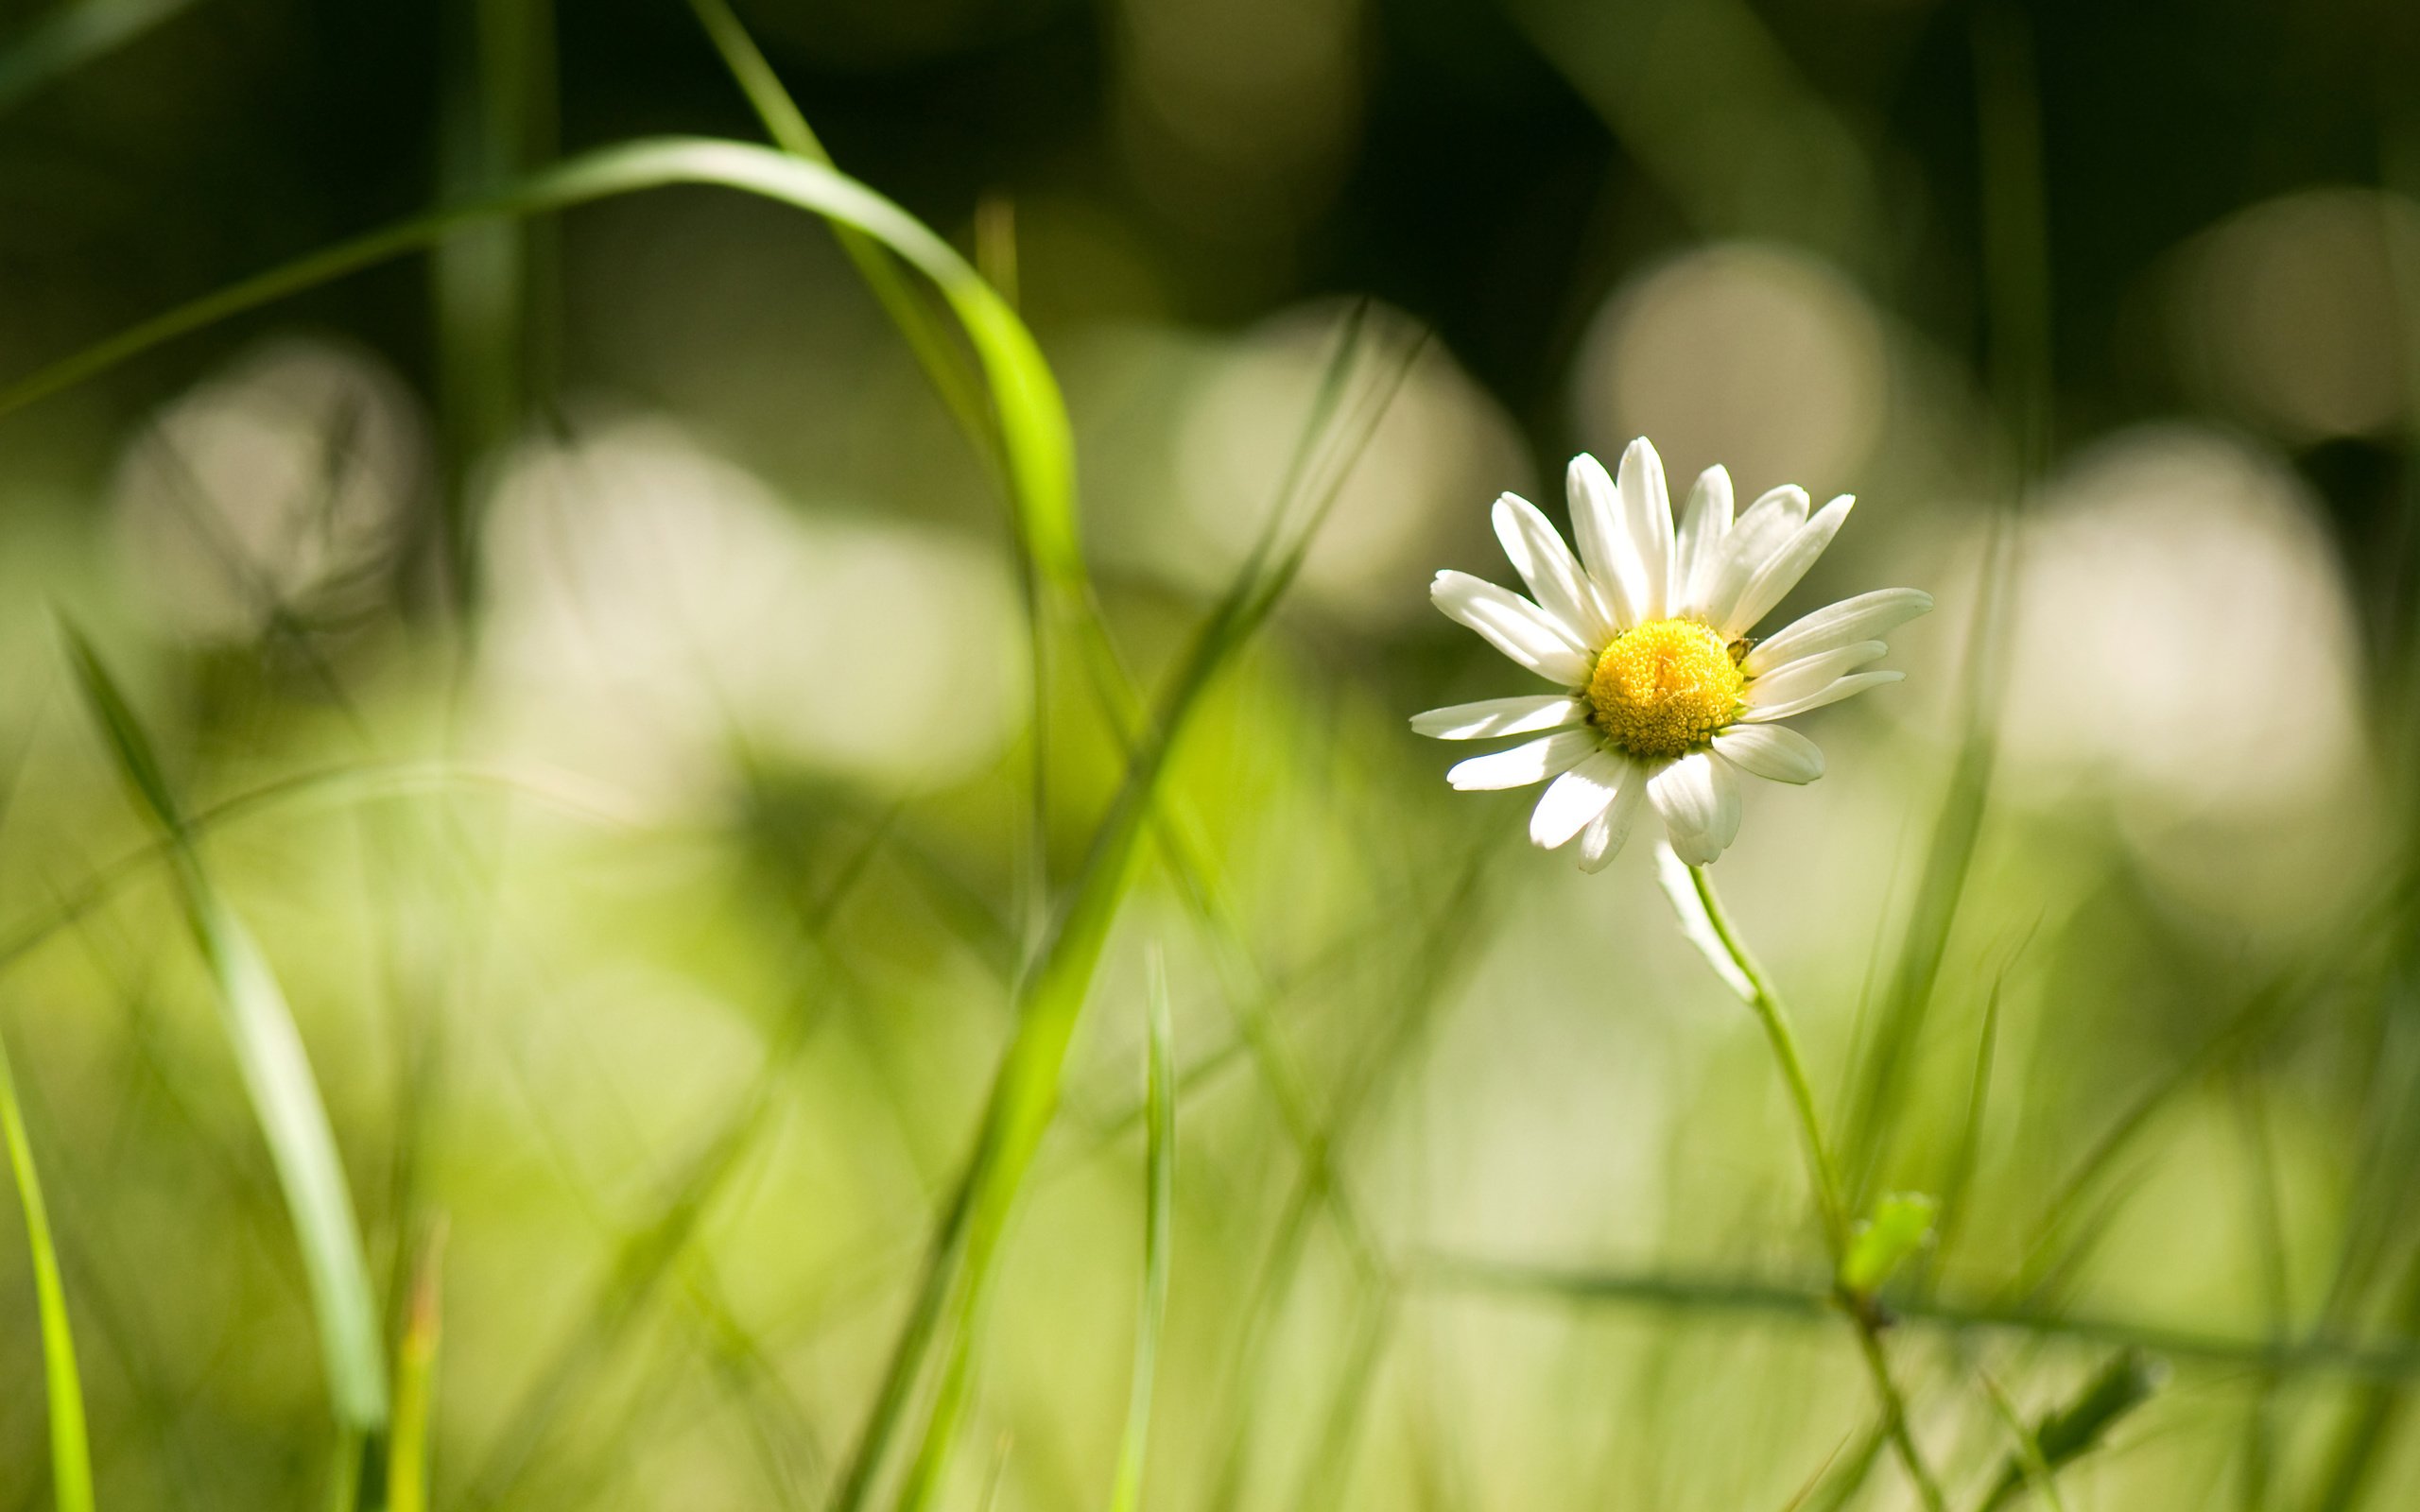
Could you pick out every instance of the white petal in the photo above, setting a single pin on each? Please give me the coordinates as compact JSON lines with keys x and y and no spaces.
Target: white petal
{"x":1775,"y":752}
{"x":1846,"y":687}
{"x":1672,"y":875}
{"x":1545,"y":564}
{"x":1647,"y":513}
{"x":1597,"y":526}
{"x":1699,"y":547}
{"x":1865,"y":617}
{"x":1764,"y":529}
{"x":1602,"y":840}
{"x":1790,"y":683}
{"x":1524,"y":764}
{"x":1499,"y":716}
{"x":1700,"y":804}
{"x":1578,"y":797}
{"x":1779,"y":576}
{"x":1727,"y":810}
{"x":1515,"y":625}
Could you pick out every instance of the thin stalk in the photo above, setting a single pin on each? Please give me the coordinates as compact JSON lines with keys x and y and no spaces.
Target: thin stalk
{"x":1784,"y":1039}
{"x":416,"y":1379}
{"x":1160,"y":1093}
{"x":1771,"y":1013}
{"x":2386,"y":1358}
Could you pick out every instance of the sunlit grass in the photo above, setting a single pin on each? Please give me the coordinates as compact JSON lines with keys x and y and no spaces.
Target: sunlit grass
{"x":396,"y":1123}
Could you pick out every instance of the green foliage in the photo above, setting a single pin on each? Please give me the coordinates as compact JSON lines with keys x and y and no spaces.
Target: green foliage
{"x":788,"y":1168}
{"x":1900,"y":1225}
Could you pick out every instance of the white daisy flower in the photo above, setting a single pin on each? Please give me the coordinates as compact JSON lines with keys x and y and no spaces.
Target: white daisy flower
{"x":1665,"y":701}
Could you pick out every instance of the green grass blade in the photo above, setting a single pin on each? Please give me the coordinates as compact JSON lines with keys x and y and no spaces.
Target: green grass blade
{"x":1160,"y":1189}
{"x":998,"y":1477}
{"x":487,"y":285}
{"x":1941,"y":889}
{"x":286,"y":1098}
{"x":1032,"y":417}
{"x":2392,"y":1358}
{"x":945,"y":366}
{"x":2019,"y":304}
{"x":1839,"y":1481}
{"x":1968,"y":1155}
{"x":276,"y":1074}
{"x":2073,"y":1430}
{"x":74,"y":35}
{"x":944,"y":362}
{"x":416,"y":1379}
{"x":644,"y":1259}
{"x":2258,"y":1015}
{"x":2027,"y":1452}
{"x":1025,"y":1090}
{"x":71,"y":1456}
{"x":1327,"y":1476}
{"x":2367,"y":1430}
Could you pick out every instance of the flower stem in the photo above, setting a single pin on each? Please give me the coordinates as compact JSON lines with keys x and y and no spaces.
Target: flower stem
{"x":1825,"y":1178}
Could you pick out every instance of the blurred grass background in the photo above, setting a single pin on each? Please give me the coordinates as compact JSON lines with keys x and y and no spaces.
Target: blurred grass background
{"x":667,"y":785}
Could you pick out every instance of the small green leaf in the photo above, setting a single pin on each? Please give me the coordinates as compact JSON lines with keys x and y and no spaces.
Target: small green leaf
{"x":1901,"y":1225}
{"x":2070,"y":1433}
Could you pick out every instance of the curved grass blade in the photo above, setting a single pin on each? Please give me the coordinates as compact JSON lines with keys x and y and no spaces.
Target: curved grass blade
{"x":74,"y":35}
{"x":943,"y":363}
{"x":71,"y":1456}
{"x":276,"y":1074}
{"x":1038,"y":440}
{"x":1160,"y":1197}
{"x":1025,"y":1090}
{"x":1111,"y":684}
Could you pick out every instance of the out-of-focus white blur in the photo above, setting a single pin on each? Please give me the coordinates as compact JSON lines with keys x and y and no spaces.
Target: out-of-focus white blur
{"x":1418,"y":493}
{"x":1237,"y":117}
{"x":657,"y":608}
{"x":2297,"y":314}
{"x":2183,"y":644}
{"x":1760,"y":359}
{"x":281,"y":486}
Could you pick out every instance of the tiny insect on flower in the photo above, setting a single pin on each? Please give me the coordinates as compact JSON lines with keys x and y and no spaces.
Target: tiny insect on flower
{"x":1666,"y":696}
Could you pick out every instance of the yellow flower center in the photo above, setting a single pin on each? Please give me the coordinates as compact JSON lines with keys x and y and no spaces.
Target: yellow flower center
{"x":1664,"y":688}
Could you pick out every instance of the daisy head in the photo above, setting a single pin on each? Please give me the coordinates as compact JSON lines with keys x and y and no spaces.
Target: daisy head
{"x":1665,"y":697}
